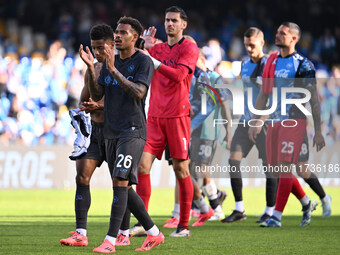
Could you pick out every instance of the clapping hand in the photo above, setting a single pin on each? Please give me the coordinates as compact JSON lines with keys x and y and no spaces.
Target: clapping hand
{"x":86,"y":56}
{"x":149,"y":37}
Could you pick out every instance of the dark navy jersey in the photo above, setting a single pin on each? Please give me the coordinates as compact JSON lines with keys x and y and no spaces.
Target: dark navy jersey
{"x":251,"y":74}
{"x":125,"y":115}
{"x":292,"y":71}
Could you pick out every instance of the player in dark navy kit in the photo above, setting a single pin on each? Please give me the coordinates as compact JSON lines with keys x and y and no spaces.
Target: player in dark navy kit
{"x":124,"y":80}
{"x":283,"y":143}
{"x":99,"y":34}
{"x":251,"y":74}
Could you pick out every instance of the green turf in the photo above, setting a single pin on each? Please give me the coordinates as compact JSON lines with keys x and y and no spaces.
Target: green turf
{"x":32,"y":222}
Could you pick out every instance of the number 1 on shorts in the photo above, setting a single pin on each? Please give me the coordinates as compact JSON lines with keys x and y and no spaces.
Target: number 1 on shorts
{"x":185,"y":143}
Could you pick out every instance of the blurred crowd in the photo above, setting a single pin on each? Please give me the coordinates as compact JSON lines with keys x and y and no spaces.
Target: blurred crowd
{"x":35,"y":95}
{"x":41,"y":74}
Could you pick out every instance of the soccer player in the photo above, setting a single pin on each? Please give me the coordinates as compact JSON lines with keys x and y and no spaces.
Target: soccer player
{"x":124,"y":80}
{"x":251,"y":74}
{"x":283,"y":144}
{"x":205,"y":136}
{"x":100,"y":35}
{"x":169,"y":112}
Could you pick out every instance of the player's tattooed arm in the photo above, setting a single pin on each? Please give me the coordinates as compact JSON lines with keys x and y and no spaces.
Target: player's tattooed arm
{"x":315,"y":105}
{"x":136,"y":90}
{"x":96,"y":91}
{"x":85,"y":93}
{"x":318,"y":139}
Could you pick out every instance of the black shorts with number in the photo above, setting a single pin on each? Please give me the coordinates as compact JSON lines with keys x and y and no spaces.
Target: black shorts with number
{"x":202,"y":151}
{"x":96,"y":149}
{"x":304,"y":153}
{"x":241,"y":141}
{"x":123,"y":155}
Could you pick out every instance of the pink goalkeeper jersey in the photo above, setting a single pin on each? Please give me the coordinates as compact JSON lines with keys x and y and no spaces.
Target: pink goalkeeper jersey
{"x":170,"y":85}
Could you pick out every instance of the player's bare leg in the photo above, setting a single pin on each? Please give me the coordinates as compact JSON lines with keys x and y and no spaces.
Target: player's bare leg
{"x":85,"y":169}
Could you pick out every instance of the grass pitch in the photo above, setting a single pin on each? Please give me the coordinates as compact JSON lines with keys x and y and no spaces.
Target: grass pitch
{"x":33,"y":222}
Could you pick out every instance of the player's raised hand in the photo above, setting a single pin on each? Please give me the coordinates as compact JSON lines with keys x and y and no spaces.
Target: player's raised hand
{"x":86,"y":56}
{"x":319,"y":141}
{"x":149,"y":37}
{"x":110,"y":57}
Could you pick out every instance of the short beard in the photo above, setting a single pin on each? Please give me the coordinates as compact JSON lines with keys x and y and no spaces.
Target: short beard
{"x":280,"y":45}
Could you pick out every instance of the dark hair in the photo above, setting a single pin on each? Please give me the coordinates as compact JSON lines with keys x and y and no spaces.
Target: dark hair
{"x":292,"y":26}
{"x":134,"y":23}
{"x":101,"y":31}
{"x":252,"y":31}
{"x":181,"y":12}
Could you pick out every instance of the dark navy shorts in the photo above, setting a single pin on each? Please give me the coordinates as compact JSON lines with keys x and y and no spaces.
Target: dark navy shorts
{"x":123,"y":155}
{"x":241,"y":141}
{"x":96,"y":149}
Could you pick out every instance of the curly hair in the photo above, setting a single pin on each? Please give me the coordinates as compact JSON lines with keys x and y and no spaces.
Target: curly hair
{"x":101,"y":31}
{"x":134,"y":23}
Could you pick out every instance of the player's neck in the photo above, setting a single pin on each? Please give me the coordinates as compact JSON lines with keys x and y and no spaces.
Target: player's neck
{"x":286,"y":51}
{"x":257,"y":58}
{"x":123,"y":54}
{"x":174,"y":39}
{"x":202,"y":67}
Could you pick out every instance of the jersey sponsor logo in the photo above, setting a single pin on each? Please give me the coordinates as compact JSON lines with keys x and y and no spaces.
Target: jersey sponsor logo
{"x":283,"y":73}
{"x":107,"y":80}
{"x":170,"y":62}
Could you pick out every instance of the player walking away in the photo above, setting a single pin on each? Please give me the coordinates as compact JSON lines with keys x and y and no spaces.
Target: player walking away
{"x":205,"y":136}
{"x":283,"y":143}
{"x":312,"y":180}
{"x":100,"y":35}
{"x":251,"y":74}
{"x":124,"y":80}
{"x":168,"y":116}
